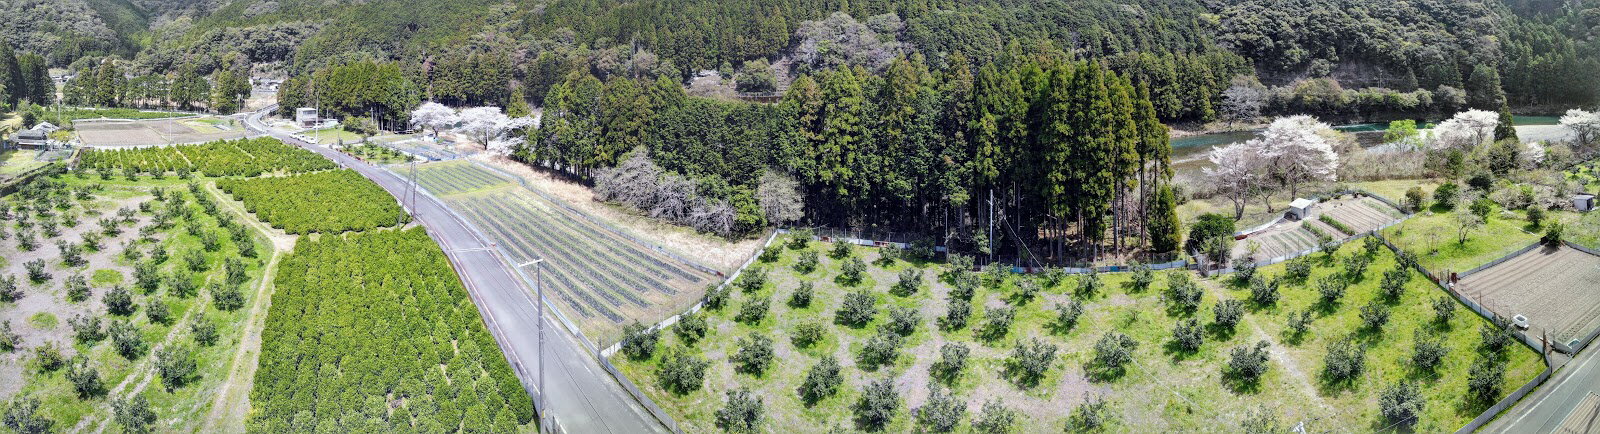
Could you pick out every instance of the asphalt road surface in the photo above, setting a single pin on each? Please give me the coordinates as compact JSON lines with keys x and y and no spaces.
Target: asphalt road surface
{"x":1544,"y":409}
{"x":582,"y":398}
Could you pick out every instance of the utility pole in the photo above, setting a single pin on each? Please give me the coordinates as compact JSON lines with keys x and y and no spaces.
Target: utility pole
{"x":538,"y":288}
{"x":991,"y":225}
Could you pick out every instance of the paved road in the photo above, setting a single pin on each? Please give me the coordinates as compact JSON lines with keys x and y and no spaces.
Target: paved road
{"x":583,"y":398}
{"x":1544,"y":409}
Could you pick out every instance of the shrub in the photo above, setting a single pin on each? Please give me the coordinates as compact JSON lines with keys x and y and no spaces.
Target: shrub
{"x":1052,"y":277}
{"x":1330,"y":288}
{"x":754,"y":355}
{"x":119,"y":301}
{"x":1552,"y":235}
{"x":742,"y":414}
{"x":146,"y":276}
{"x":195,"y":260}
{"x":1067,"y":315}
{"x":1089,"y":284}
{"x":1298,"y":323}
{"x":956,"y":314}
{"x":801,"y":297}
{"x":879,"y":350}
{"x":71,"y":254}
{"x":1415,"y":197}
{"x":690,"y":328}
{"x":910,"y":282}
{"x":1245,"y":272}
{"x":1264,"y":292}
{"x":1444,"y":308}
{"x":754,"y":310}
{"x":852,"y":271}
{"x":9,"y":339}
{"x":1374,"y":315}
{"x":996,"y":323}
{"x":1483,"y":381}
{"x":36,"y":271}
{"x":1355,"y":266}
{"x":902,"y":321}
{"x":84,"y":378}
{"x":204,"y":331}
{"x":1030,"y":360}
{"x":1246,"y":363}
{"x":86,"y":329}
{"x":1141,"y":278}
{"x":887,"y":256}
{"x":1188,"y":335}
{"x":1228,"y":313}
{"x":1394,"y":283}
{"x":859,"y":307}
{"x":181,"y":285}
{"x":1091,"y":415}
{"x":1114,"y":350}
{"x":9,"y":291}
{"x":752,"y":279}
{"x":1428,"y":352}
{"x":1182,"y":293}
{"x":158,"y":311}
{"x":175,"y":365}
{"x":1371,"y":244}
{"x":799,"y":239}
{"x":226,"y":297}
{"x":134,"y":414}
{"x":958,"y":264}
{"x":48,"y":356}
{"x":716,"y":296}
{"x":1344,"y":361}
{"x":1401,"y":403}
{"x":840,"y":250}
{"x":965,"y":284}
{"x":943,"y":411}
{"x":821,"y":381}
{"x":681,"y":372}
{"x":1495,"y":336}
{"x":77,"y":288}
{"x":952,"y":359}
{"x":638,"y":342}
{"x":1261,"y":420}
{"x":127,"y":340}
{"x":877,"y":406}
{"x":807,"y":334}
{"x":770,"y":253}
{"x":1445,"y":195}
{"x":807,"y":262}
{"x":995,"y":418}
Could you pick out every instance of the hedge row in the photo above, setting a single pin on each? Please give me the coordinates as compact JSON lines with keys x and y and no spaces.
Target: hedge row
{"x":323,"y":202}
{"x":373,"y":332}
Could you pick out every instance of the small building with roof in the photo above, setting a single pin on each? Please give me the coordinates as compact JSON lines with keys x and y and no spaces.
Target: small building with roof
{"x":1301,"y":208}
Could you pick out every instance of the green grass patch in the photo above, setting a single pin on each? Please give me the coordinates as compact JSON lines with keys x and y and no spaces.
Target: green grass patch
{"x":43,"y":321}
{"x":1432,"y":236}
{"x":106,"y":278}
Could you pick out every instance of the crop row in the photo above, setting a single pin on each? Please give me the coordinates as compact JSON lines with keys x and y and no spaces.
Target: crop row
{"x":632,"y":251}
{"x":558,"y":278}
{"x":244,"y":157}
{"x":323,"y":202}
{"x":570,"y":232}
{"x":451,"y":178}
{"x":376,"y":324}
{"x":564,"y":248}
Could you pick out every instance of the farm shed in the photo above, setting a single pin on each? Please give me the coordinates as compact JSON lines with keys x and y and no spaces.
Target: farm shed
{"x":1301,"y":207}
{"x":1583,"y":202}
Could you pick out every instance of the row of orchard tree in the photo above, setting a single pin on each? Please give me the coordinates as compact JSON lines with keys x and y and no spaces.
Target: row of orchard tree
{"x":1072,"y":153}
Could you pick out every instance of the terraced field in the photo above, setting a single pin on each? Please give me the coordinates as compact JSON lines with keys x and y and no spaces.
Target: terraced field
{"x":602,"y":280}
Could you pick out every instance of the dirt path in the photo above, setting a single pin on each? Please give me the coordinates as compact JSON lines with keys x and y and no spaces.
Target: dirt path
{"x":232,"y":404}
{"x":142,"y":373}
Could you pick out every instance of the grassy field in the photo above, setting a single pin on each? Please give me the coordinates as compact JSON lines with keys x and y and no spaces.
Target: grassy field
{"x":19,"y":161}
{"x":183,"y":407}
{"x":1164,"y":389}
{"x":1395,"y":189}
{"x":1389,"y":350}
{"x":1431,"y":235}
{"x":329,"y":136}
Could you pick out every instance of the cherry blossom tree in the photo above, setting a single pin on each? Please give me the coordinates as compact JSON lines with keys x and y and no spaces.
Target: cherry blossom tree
{"x":1237,"y":173}
{"x":1585,"y":124}
{"x":434,"y":116}
{"x":1466,"y":129}
{"x":490,"y":127}
{"x":1295,"y":151}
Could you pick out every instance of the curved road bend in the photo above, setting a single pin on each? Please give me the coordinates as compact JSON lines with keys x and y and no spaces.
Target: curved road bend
{"x":583,"y":398}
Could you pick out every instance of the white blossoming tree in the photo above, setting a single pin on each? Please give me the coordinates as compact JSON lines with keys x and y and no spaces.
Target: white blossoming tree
{"x":1584,"y":123}
{"x":1237,"y":173}
{"x":1295,"y":151}
{"x":1466,"y":129}
{"x":434,"y":116}
{"x":490,"y":127}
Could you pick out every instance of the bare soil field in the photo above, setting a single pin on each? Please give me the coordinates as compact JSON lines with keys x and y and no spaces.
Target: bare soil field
{"x":1557,"y":289}
{"x":1359,"y":214}
{"x":153,"y":132}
